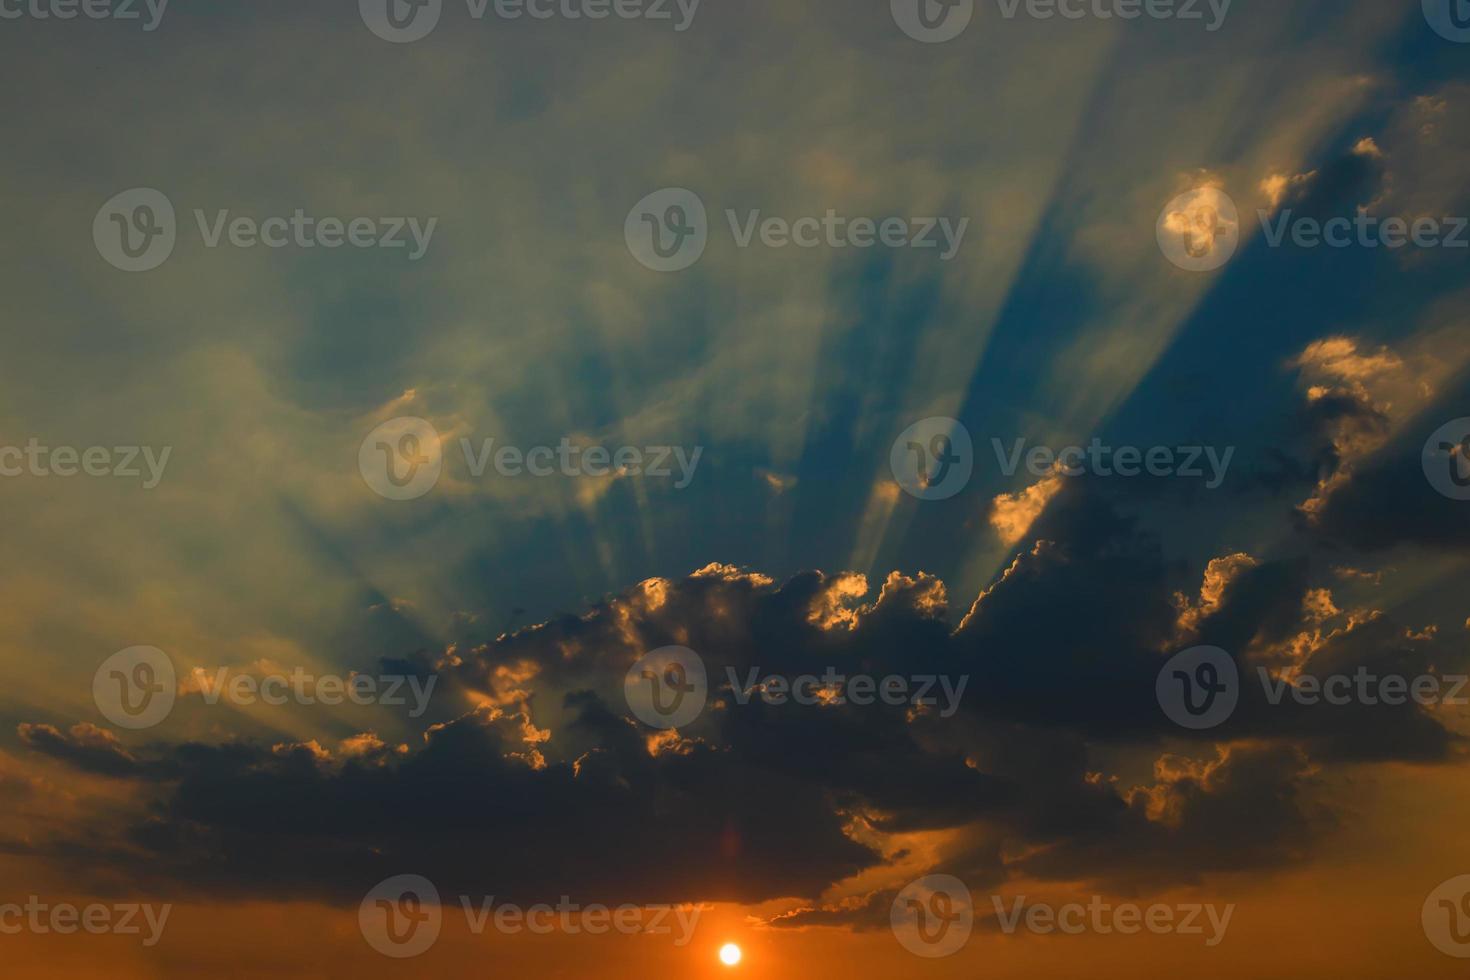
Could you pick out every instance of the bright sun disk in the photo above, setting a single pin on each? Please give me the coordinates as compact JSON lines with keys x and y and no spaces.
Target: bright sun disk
{"x":729,"y":954}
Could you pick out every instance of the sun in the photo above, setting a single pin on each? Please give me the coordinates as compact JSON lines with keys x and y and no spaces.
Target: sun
{"x":729,"y":954}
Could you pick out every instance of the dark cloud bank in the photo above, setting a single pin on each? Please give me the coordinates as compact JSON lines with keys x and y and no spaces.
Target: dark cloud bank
{"x":551,"y":787}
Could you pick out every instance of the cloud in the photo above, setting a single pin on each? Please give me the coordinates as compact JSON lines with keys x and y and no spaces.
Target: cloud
{"x":531,"y":323}
{"x":549,"y":786}
{"x":1012,"y":514}
{"x":1361,"y":401}
{"x":85,"y":746}
{"x":1277,"y":186}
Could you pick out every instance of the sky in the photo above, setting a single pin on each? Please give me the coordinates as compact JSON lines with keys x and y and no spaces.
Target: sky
{"x":884,"y":488}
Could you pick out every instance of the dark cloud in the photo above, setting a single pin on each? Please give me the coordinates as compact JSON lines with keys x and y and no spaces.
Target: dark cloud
{"x":85,"y":746}
{"x":1383,"y":499}
{"x":1343,"y":185}
{"x":552,"y":788}
{"x":1388,"y":503}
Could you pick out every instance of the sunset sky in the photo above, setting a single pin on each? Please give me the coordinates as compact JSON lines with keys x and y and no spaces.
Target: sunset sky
{"x":784,"y":388}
